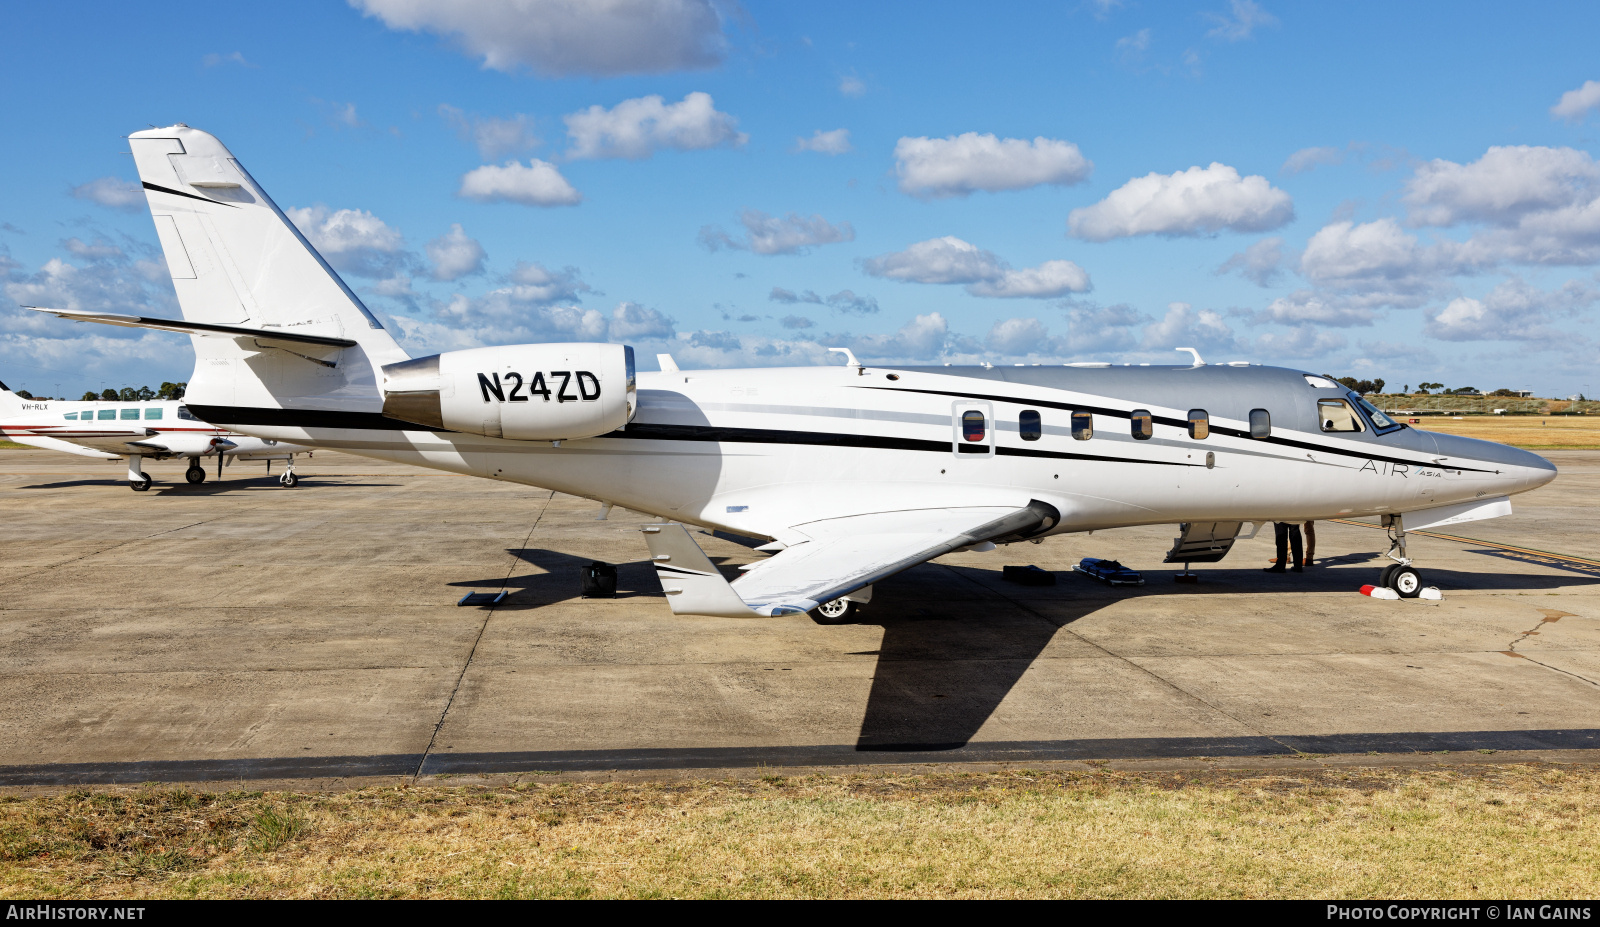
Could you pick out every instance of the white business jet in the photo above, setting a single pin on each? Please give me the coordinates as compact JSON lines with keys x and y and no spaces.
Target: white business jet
{"x":854,"y":473}
{"x":158,"y":429}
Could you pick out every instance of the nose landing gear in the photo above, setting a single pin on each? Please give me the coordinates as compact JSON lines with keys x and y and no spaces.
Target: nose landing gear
{"x":1400,"y":576}
{"x":288,"y":479}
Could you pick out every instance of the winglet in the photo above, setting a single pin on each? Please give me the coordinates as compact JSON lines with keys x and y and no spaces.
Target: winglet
{"x":693,"y":585}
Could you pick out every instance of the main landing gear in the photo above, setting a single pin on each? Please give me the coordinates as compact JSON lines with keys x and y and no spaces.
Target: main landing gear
{"x":839,"y":611}
{"x":137,"y":480}
{"x":195,"y":474}
{"x":1400,"y":576}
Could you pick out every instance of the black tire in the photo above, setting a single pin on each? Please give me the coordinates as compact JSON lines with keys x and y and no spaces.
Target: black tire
{"x":289,"y":480}
{"x":195,"y":475}
{"x":839,"y":611}
{"x":1388,"y":571}
{"x":1405,"y":581}
{"x":140,"y":485}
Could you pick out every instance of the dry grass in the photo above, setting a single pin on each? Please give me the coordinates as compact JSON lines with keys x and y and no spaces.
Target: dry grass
{"x":14,"y":446}
{"x":1486,"y":831}
{"x":1559,"y":432}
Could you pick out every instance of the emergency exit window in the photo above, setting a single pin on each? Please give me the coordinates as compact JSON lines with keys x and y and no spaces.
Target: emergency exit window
{"x":973,"y":426}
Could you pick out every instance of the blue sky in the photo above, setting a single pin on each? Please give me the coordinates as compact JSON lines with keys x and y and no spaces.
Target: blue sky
{"x":1397,"y":190}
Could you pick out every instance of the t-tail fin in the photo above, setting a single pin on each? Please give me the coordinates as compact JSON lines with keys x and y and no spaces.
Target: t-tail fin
{"x":237,"y":260}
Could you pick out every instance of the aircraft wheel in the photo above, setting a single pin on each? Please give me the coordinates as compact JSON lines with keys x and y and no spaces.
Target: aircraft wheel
{"x":195,"y":475}
{"x":1405,"y":581}
{"x":1388,"y":571}
{"x":289,"y":479}
{"x":141,"y":485}
{"x":839,"y":611}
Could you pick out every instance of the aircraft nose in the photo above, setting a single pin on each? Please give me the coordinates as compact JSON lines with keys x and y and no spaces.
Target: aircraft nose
{"x":1517,"y":470}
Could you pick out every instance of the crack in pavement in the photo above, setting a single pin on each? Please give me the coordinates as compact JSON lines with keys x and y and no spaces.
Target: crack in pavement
{"x":488,"y":614}
{"x":1551,"y":616}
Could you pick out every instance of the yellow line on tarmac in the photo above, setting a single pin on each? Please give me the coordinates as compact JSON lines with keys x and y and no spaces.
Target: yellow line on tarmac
{"x":1451,"y":537}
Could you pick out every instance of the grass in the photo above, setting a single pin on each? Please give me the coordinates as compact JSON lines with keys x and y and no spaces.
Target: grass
{"x":14,"y":446}
{"x":1513,"y":831}
{"x":1558,"y":432}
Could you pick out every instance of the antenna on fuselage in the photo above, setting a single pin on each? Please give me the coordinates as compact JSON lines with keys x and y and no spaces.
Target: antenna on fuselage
{"x":1197,"y":361}
{"x":850,"y":357}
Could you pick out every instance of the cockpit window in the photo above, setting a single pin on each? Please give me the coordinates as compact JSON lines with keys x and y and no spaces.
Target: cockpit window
{"x":1380,"y":422}
{"x":1336,"y":415}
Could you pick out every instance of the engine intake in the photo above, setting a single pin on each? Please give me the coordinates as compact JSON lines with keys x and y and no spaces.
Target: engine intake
{"x":524,"y":392}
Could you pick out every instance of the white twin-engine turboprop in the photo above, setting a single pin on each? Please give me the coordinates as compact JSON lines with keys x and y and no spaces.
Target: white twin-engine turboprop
{"x":157,"y":429}
{"x":855,"y":473}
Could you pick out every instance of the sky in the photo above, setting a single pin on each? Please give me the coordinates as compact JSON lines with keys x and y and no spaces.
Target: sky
{"x":1404,"y":191}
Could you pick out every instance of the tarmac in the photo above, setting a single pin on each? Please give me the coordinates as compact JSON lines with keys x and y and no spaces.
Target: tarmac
{"x":241,"y":632}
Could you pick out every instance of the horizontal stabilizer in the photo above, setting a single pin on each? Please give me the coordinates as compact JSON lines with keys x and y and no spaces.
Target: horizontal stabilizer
{"x":56,"y":444}
{"x":267,"y":337}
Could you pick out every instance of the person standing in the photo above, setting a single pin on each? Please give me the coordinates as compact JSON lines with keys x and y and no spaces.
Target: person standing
{"x":1288,"y":535}
{"x":1311,"y":542}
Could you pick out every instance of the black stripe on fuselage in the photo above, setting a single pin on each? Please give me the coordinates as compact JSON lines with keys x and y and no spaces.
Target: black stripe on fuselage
{"x":1176,"y":423}
{"x":204,"y":199}
{"x":372,"y":421}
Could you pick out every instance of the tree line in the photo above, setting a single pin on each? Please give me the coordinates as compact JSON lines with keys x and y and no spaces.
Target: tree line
{"x":1375,"y":385}
{"x":126,"y":394}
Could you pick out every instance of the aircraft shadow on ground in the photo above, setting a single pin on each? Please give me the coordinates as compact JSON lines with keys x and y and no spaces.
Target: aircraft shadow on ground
{"x":209,"y":488}
{"x":953,"y":647}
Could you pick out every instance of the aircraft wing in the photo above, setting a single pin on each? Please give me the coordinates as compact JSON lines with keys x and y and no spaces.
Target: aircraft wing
{"x":56,"y":444}
{"x":840,"y":556}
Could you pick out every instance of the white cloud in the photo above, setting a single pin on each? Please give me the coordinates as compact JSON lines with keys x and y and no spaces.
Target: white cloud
{"x":1513,"y":311}
{"x":845,"y":301}
{"x":638,"y":128}
{"x":852,"y":86}
{"x":1021,"y":338}
{"x":1193,"y":202}
{"x":932,"y":168}
{"x":532,"y":283}
{"x":352,"y":240}
{"x":1310,"y":158}
{"x":950,"y":260}
{"x":1575,"y":103}
{"x":494,"y":137}
{"x":764,"y":234}
{"x":796,"y":321}
{"x":556,"y":38}
{"x":1184,"y":326}
{"x":835,"y":142}
{"x":112,"y":193}
{"x":1092,"y":329}
{"x":1131,"y":48}
{"x":922,"y":338}
{"x":455,"y":255}
{"x":1306,"y":306}
{"x":633,"y":321}
{"x":1503,"y":186}
{"x":1261,"y":262}
{"x":1300,"y":342}
{"x":1377,"y":262}
{"x":1247,"y":17}
{"x":536,"y":184}
{"x":214,"y":59}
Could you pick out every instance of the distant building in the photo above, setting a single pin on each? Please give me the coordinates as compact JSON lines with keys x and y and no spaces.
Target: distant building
{"x":1525,"y":393}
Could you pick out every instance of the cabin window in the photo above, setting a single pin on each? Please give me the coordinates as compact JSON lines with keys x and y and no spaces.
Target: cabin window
{"x":1029,"y":425}
{"x":1199,"y":424}
{"x":1082,"y":425}
{"x":106,"y":415}
{"x":186,"y":415}
{"x":1336,"y":415}
{"x":1260,"y":423}
{"x":1144,"y":425}
{"x":132,"y":414}
{"x":152,"y":414}
{"x":973,"y":426}
{"x":71,"y":416}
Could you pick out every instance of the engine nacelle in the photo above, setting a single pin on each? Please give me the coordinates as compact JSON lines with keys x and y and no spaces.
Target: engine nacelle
{"x":525,"y":392}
